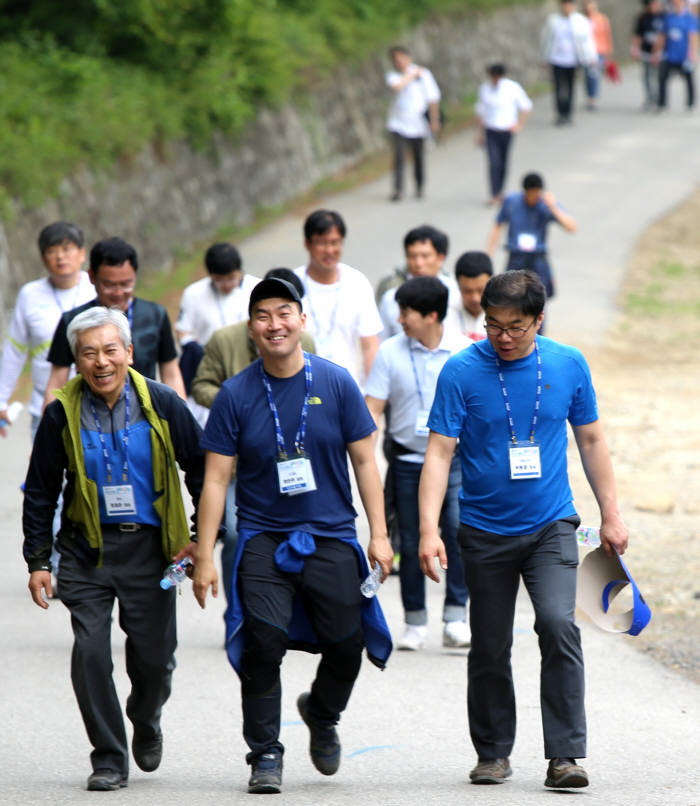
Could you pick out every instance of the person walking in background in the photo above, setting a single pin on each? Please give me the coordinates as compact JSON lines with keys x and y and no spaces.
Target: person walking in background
{"x":567,"y":43}
{"x":342,"y":315}
{"x":502,"y":108}
{"x":676,"y":50}
{"x":527,"y":215}
{"x":39,"y":306}
{"x":602,"y":35}
{"x":508,"y":400}
{"x":404,"y":376}
{"x":118,"y":438}
{"x":413,"y":115}
{"x":472,"y":271}
{"x":648,"y":26}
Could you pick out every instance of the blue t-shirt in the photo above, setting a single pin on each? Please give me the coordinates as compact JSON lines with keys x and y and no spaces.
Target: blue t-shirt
{"x":677,"y":28}
{"x":469,"y":404}
{"x":527,"y":226}
{"x":240,"y":423}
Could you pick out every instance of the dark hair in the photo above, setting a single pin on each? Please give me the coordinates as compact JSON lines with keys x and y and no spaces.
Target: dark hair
{"x":58,"y":232}
{"x":427,"y":233}
{"x":222,"y":258}
{"x":288,"y":275}
{"x":531,"y":181}
{"x":321,"y":221}
{"x":496,"y":69}
{"x":112,"y":252}
{"x":472,"y":264}
{"x":399,"y":49}
{"x":425,"y":295}
{"x":519,"y":288}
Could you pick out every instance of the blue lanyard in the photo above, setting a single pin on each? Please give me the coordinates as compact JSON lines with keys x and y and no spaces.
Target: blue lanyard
{"x":301,"y":431}
{"x":538,"y":395}
{"x":125,"y":439}
{"x":130,"y":317}
{"x":334,"y":312}
{"x":415,"y":375}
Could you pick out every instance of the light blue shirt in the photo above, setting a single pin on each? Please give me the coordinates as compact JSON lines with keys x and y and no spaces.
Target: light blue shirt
{"x":392,"y":379}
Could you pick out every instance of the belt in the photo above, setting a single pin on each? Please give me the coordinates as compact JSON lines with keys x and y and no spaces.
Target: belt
{"x":125,"y":527}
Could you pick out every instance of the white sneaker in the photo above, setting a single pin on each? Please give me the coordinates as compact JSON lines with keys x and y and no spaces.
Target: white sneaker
{"x":413,"y":637}
{"x":456,"y":633}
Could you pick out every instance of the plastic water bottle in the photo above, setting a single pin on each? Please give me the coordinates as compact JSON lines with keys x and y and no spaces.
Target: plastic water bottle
{"x":175,"y":573}
{"x":588,"y":536}
{"x":13,"y":412}
{"x":370,"y":585}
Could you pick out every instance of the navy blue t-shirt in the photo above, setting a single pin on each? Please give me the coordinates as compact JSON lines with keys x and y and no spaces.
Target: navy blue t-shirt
{"x":240,"y":423}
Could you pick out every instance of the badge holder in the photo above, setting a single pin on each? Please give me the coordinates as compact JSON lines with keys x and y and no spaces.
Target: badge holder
{"x":524,"y":460}
{"x":295,"y":475}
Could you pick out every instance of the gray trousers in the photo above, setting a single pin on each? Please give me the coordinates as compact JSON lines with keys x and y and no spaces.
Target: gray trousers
{"x":493,"y":564}
{"x":132,"y":567}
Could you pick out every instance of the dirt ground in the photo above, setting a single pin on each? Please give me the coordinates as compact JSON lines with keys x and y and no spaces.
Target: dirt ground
{"x":648,"y":383}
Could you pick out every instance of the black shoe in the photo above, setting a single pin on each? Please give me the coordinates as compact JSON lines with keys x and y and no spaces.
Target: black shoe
{"x":324,"y":745}
{"x":104,"y":780}
{"x":147,"y":752}
{"x":491,"y":771}
{"x":266,"y":777}
{"x":395,"y":196}
{"x":565,"y":773}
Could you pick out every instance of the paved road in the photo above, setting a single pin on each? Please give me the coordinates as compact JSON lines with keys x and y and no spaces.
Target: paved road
{"x":404,"y":736}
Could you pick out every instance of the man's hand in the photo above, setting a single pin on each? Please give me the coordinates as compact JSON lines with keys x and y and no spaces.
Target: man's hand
{"x":40,"y":581}
{"x":614,"y":535}
{"x":190,"y":551}
{"x":380,"y":551}
{"x":204,"y":576}
{"x":430,"y":547}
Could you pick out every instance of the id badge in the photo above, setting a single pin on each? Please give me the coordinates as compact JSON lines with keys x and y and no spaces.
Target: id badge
{"x":524,"y":461}
{"x":295,"y":476}
{"x":119,"y":499}
{"x":422,"y":429}
{"x":527,"y":242}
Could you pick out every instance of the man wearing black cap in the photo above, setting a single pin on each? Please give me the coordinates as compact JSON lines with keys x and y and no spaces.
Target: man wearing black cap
{"x":291,"y":419}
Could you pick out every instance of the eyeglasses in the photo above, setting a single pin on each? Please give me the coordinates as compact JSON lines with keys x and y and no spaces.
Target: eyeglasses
{"x":511,"y":332}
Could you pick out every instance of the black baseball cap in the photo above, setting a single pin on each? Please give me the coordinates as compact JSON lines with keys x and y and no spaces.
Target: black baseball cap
{"x":273,"y":287}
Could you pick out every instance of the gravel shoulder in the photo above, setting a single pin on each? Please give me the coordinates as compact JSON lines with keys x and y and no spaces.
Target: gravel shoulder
{"x":648,"y":382}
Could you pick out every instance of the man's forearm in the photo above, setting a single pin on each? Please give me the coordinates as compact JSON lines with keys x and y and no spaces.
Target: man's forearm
{"x":432,"y":488}
{"x":369,"y":484}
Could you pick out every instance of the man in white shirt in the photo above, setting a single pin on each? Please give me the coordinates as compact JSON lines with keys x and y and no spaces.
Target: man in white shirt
{"x":472,"y":271}
{"x":342,"y":316}
{"x":39,"y":306}
{"x":502,"y":108}
{"x":404,"y":376}
{"x":414,"y":114}
{"x":425,"y":248}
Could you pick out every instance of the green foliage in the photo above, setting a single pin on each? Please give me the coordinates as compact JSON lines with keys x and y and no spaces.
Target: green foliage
{"x":90,"y":82}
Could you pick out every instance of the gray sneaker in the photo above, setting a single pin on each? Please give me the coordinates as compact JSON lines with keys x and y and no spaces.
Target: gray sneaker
{"x":565,"y":773}
{"x":324,"y":745}
{"x":491,"y":771}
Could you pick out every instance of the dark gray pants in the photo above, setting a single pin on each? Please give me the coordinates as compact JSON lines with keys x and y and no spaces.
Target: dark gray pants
{"x":493,"y":565}
{"x":132,"y":567}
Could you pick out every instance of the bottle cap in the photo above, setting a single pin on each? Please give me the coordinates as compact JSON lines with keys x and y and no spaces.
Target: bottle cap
{"x":166,"y":584}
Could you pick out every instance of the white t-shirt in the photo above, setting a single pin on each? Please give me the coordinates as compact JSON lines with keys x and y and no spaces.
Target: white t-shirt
{"x":407,"y":111}
{"x":38,"y":308}
{"x":389,"y":310}
{"x":203,"y":309}
{"x":473,"y":327}
{"x":340,"y":313}
{"x":498,"y":105}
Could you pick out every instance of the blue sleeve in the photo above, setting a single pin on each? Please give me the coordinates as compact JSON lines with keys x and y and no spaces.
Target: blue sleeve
{"x":222,"y":428}
{"x":694,"y":26}
{"x":504,"y":213}
{"x":356,"y":421}
{"x":584,"y":406}
{"x":449,"y":407}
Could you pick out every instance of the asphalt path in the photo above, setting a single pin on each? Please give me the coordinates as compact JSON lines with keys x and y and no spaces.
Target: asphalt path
{"x":404,"y":736}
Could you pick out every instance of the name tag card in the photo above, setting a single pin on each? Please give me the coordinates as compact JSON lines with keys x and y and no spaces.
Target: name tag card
{"x":119,"y":499}
{"x":295,"y":476}
{"x":422,"y":429}
{"x":524,"y":461}
{"x":527,"y":242}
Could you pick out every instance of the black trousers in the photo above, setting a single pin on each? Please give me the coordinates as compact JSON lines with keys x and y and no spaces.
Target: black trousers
{"x":563,"y":78}
{"x":493,"y":565}
{"x":329,"y":586}
{"x":416,"y":146}
{"x":497,"y":147}
{"x":132,"y":567}
{"x":665,"y":70}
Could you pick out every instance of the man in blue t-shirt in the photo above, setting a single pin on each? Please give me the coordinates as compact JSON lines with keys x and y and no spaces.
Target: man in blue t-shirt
{"x":677,"y":48}
{"x":527,"y":214}
{"x":292,"y":419}
{"x":508,"y":399}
